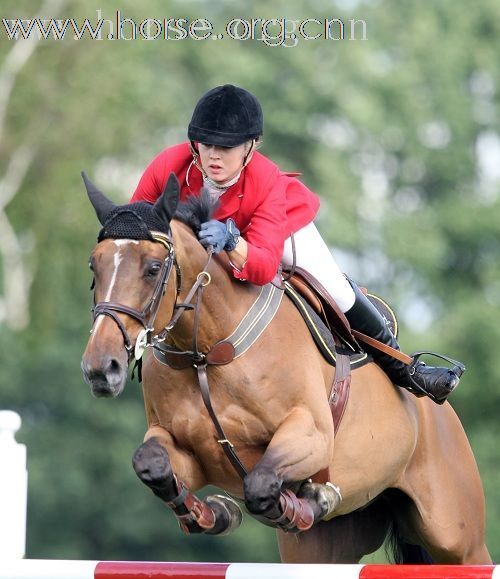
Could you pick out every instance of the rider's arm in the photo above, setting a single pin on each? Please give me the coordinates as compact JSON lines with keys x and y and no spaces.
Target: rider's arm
{"x":258,"y":254}
{"x":238,"y":257}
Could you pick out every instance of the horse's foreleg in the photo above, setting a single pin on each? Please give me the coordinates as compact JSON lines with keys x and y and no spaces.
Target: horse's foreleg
{"x":215,"y":515}
{"x":298,"y":450}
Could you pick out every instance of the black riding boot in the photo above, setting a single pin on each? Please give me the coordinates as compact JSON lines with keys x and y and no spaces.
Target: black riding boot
{"x":420,"y":379}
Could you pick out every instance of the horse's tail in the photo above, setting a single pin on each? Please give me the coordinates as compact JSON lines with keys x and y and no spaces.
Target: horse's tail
{"x":403,"y":553}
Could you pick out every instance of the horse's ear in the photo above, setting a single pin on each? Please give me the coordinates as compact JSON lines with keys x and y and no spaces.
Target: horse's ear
{"x":166,"y":205}
{"x":101,"y":203}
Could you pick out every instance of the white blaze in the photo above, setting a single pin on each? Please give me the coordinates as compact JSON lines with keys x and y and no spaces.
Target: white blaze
{"x":118,"y":256}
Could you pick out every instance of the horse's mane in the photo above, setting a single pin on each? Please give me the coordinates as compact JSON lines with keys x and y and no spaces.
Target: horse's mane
{"x":196,"y":210}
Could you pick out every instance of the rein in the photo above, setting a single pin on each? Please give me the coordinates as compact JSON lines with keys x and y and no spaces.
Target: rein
{"x":202,"y":280}
{"x":147,"y":316}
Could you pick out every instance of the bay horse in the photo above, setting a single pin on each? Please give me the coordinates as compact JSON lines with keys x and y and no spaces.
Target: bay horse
{"x":260,"y":427}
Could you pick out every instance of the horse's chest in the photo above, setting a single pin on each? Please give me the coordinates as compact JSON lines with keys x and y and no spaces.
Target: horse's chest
{"x":195,"y":430}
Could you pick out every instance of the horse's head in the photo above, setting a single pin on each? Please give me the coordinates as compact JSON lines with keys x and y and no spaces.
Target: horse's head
{"x":131,"y":263}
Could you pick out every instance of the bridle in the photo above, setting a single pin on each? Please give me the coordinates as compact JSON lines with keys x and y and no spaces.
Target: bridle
{"x":147,"y":316}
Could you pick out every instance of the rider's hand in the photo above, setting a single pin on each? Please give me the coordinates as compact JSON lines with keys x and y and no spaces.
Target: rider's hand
{"x":219,"y":235}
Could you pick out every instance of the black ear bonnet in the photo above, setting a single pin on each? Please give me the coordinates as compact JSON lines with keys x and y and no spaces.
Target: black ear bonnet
{"x":134,"y":221}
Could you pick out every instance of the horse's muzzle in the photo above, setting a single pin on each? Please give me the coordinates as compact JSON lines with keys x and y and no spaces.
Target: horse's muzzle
{"x":107,"y":379}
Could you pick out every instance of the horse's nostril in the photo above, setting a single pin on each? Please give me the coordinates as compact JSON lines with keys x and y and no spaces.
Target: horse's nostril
{"x":106,"y":376}
{"x":114,"y":366}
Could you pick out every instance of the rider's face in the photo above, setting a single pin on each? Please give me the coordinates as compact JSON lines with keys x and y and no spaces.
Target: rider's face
{"x":221,"y":164}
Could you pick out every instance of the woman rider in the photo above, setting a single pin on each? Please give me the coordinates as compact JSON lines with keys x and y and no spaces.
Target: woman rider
{"x":259,"y":209}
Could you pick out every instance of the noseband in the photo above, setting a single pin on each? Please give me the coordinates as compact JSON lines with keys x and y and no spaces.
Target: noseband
{"x":147,"y":316}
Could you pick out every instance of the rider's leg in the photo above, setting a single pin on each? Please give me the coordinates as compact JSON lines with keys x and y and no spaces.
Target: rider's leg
{"x":313,"y":255}
{"x":436,"y":381}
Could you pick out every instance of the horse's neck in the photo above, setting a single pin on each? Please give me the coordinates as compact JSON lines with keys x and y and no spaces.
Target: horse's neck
{"x":223,"y":302}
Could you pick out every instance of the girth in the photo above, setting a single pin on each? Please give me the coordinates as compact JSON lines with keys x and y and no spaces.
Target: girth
{"x":255,"y":321}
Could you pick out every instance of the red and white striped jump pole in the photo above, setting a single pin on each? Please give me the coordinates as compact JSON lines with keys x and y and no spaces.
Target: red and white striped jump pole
{"x":48,"y":569}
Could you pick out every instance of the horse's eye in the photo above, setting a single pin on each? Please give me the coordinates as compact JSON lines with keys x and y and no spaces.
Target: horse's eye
{"x":154,"y":268}
{"x":91,"y":265}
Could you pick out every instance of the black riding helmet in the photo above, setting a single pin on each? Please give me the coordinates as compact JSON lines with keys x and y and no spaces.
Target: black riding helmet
{"x":227,"y":116}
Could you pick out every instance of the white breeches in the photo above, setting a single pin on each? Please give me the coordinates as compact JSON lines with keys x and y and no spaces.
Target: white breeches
{"x":313,"y":255}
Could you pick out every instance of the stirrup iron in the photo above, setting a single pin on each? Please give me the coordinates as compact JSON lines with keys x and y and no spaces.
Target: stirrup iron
{"x":458,"y":367}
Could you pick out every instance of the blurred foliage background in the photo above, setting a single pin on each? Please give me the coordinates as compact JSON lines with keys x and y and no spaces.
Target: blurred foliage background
{"x":399,"y":134}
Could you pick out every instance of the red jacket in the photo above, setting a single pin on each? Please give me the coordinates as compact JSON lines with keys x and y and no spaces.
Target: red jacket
{"x":266,"y":204}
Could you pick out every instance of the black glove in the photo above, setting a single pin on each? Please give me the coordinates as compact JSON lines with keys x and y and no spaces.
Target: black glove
{"x":219,"y":235}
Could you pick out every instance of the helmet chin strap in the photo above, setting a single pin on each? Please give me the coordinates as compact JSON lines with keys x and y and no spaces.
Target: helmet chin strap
{"x":248,"y":156}
{"x":196,"y":160}
{"x":196,"y":157}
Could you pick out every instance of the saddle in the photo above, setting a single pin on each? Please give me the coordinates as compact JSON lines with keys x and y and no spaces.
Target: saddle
{"x":330,"y":329}
{"x":318,"y":299}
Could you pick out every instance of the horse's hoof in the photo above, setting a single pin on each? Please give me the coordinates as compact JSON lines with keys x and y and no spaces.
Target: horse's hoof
{"x":228,"y":514}
{"x":326,"y":497}
{"x":152,"y":466}
{"x":262,"y":493}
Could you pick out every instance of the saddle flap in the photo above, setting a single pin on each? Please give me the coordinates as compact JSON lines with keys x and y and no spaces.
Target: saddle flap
{"x":321,"y":301}
{"x":307,"y":293}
